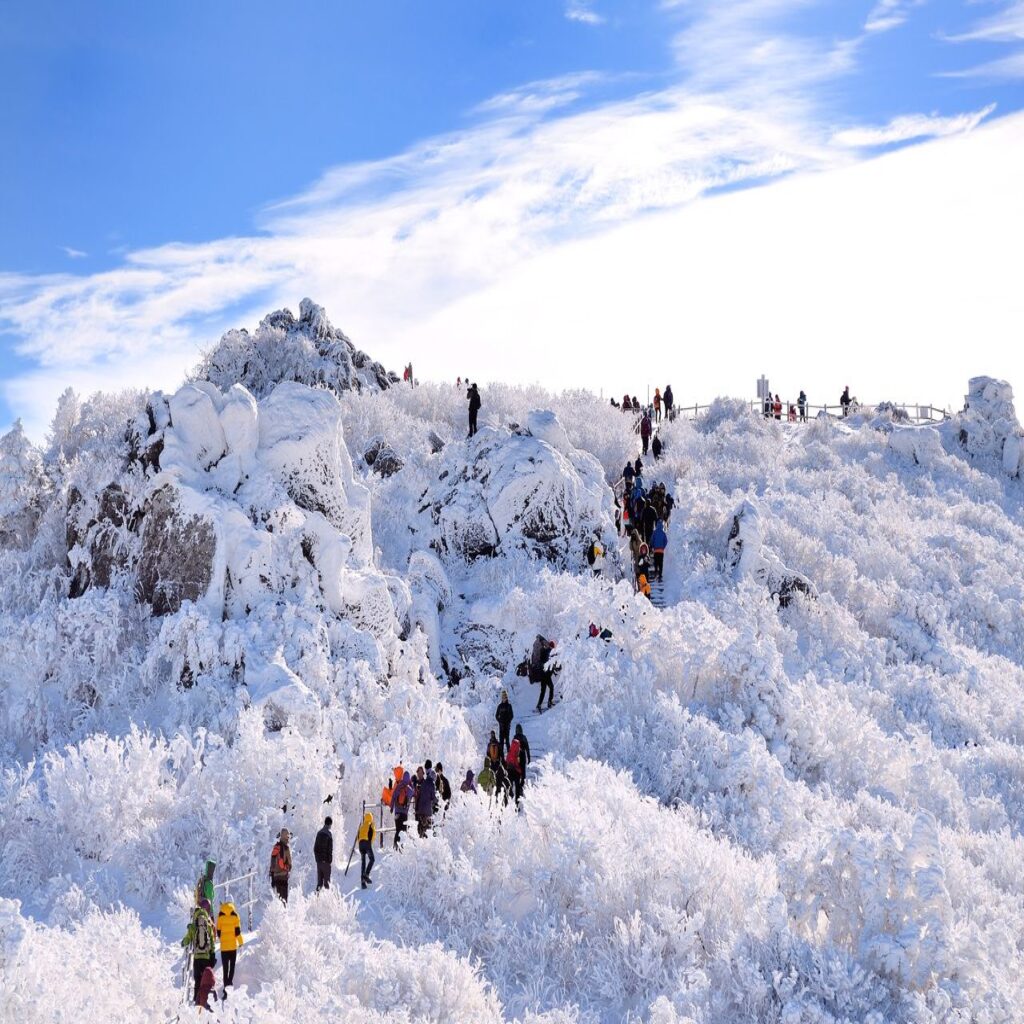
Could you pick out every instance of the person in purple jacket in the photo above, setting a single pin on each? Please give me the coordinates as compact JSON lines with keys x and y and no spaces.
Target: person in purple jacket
{"x":425,"y":795}
{"x":401,"y":798}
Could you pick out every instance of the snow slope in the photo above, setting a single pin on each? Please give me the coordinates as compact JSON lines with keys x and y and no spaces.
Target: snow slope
{"x":763,"y":802}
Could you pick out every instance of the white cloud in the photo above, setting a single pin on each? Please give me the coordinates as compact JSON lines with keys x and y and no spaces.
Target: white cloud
{"x":889,"y":14}
{"x":1005,"y":26}
{"x":73,"y":254}
{"x":583,"y":11}
{"x":913,"y":126}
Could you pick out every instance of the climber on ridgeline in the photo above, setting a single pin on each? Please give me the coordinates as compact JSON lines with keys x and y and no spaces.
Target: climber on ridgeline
{"x":323,"y":854}
{"x":669,"y":401}
{"x":473,"y":394}
{"x":657,"y":405}
{"x":845,"y":401}
{"x":801,"y":404}
{"x":281,"y":865}
{"x":229,"y":931}
{"x":366,"y":858}
{"x":504,"y":716}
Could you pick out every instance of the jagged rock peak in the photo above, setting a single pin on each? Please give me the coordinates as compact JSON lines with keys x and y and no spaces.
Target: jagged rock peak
{"x":308,"y":349}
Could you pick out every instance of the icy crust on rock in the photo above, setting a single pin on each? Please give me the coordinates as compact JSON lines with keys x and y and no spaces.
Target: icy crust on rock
{"x":988,"y":426}
{"x":307,"y":350}
{"x":507,"y":491}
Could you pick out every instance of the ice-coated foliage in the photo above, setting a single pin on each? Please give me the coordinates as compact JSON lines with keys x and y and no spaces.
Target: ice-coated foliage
{"x":761,"y":803}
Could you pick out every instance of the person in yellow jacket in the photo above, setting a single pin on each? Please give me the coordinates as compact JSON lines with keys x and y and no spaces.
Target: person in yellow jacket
{"x":229,"y":931}
{"x":643,"y":586}
{"x":365,"y":837}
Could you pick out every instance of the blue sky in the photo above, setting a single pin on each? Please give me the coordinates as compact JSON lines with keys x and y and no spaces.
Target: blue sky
{"x":174,"y":169}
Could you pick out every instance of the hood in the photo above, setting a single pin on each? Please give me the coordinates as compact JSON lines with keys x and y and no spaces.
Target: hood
{"x":367,"y":818}
{"x":407,"y":778}
{"x":228,"y":908}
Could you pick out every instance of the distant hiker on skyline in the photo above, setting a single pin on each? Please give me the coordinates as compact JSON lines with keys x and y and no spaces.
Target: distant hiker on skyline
{"x":281,"y":865}
{"x":504,"y":715}
{"x":473,"y":394}
{"x":636,"y":404}
{"x":777,"y":408}
{"x":657,"y":405}
{"x":669,"y":401}
{"x":323,"y":854}
{"x":845,"y":400}
{"x":801,"y":404}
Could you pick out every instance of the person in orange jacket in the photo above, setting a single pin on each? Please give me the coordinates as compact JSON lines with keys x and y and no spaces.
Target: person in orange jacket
{"x":229,"y":931}
{"x":643,"y":586}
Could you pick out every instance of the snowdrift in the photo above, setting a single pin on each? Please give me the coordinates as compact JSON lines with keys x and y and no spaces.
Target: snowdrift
{"x":796,"y":793}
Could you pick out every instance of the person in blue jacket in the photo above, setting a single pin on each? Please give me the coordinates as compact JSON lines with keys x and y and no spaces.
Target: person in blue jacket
{"x":659,"y":541}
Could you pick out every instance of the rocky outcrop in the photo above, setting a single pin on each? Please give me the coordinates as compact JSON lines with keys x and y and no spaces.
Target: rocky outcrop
{"x":306,"y":349}
{"x":748,"y":555}
{"x":382,"y":458}
{"x":529,"y":491}
{"x":178,"y":553}
{"x":988,"y":426}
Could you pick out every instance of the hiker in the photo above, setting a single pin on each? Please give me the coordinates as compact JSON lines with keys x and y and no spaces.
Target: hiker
{"x":400,"y":801}
{"x":657,"y":405}
{"x":643,"y":586}
{"x":627,"y":476}
{"x":502,"y":787}
{"x":634,"y":546}
{"x":656,"y":447}
{"x":670,"y":503}
{"x":650,"y":521}
{"x":468,"y":785}
{"x":636,"y":404}
{"x":638,"y":467}
{"x":777,"y":408}
{"x":473,"y":394}
{"x":281,"y":865}
{"x":323,"y":854}
{"x":365,"y":836}
{"x":801,"y":404}
{"x":207,"y":983}
{"x":595,"y":555}
{"x":458,"y":383}
{"x":659,"y":541}
{"x":200,"y":938}
{"x":229,"y":931}
{"x":643,"y":561}
{"x":444,"y":787}
{"x":504,"y":715}
{"x":669,"y":401}
{"x":845,"y":400}
{"x":513,"y":765}
{"x":547,"y":680}
{"x":792,"y":413}
{"x":204,"y":887}
{"x":618,"y":515}
{"x":493,"y":747}
{"x":524,"y":751}
{"x":645,"y":432}
{"x":768,"y":406}
{"x":486,"y":777}
{"x":425,"y":794}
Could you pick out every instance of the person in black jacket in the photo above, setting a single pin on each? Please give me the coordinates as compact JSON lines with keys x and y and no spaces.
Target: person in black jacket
{"x":323,"y":854}
{"x":504,"y":715}
{"x":524,"y":752}
{"x":650,"y":521}
{"x":473,"y":394}
{"x":444,"y":787}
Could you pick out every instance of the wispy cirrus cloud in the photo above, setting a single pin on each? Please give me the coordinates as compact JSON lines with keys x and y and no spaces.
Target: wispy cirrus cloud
{"x":889,"y":14}
{"x":72,"y":253}
{"x":913,"y":126}
{"x":1006,"y":26}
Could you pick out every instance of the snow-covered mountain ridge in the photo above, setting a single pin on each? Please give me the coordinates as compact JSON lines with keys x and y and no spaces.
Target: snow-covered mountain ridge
{"x":765,"y":802}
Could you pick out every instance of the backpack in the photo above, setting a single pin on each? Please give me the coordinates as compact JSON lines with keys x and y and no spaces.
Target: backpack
{"x":403,"y":796}
{"x":513,"y":755}
{"x":202,"y":936}
{"x":494,"y":751}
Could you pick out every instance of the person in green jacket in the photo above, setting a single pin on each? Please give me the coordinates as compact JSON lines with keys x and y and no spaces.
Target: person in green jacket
{"x":485,"y":780}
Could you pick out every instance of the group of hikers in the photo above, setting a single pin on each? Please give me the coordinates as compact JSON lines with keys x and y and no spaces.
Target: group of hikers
{"x":644,"y":515}
{"x":666,"y":401}
{"x":774,"y":408}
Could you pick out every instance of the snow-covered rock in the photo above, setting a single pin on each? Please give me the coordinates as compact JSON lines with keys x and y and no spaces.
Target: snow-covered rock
{"x":308,"y":350}
{"x":749,"y":555}
{"x":989,"y":421}
{"x":921,"y":445}
{"x":507,"y":491}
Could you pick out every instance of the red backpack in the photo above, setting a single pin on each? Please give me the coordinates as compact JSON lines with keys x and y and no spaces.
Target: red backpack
{"x":512,"y":758}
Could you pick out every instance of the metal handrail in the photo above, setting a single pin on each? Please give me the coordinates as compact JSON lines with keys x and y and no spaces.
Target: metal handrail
{"x":250,"y":902}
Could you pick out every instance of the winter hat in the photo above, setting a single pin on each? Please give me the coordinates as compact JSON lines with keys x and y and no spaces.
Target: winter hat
{"x":205,"y":905}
